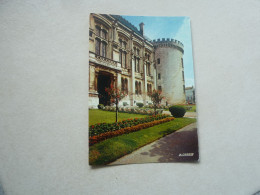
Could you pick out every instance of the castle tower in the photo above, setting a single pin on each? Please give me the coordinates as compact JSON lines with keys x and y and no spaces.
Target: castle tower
{"x":170,"y":70}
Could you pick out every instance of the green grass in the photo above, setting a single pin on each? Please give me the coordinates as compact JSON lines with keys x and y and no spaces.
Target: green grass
{"x":193,"y":109}
{"x":111,"y":149}
{"x":101,"y":116}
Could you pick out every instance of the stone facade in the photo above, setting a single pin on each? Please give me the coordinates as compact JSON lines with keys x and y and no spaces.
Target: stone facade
{"x":170,"y":70}
{"x":190,"y":95}
{"x":119,"y":54}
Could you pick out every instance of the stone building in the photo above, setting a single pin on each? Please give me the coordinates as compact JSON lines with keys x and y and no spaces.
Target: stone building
{"x":120,"y":54}
{"x":190,"y":95}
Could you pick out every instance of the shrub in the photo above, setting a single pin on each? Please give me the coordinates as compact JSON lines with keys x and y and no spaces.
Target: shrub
{"x":101,"y":106}
{"x":139,"y":104}
{"x":177,"y":111}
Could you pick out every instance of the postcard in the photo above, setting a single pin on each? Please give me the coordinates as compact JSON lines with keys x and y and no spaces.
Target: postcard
{"x":142,"y":102}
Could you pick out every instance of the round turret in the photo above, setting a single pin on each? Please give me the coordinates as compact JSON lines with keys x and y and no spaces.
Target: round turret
{"x":170,"y":70}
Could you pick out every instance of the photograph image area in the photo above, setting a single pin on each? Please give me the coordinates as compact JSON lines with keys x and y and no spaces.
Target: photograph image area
{"x":142,"y":105}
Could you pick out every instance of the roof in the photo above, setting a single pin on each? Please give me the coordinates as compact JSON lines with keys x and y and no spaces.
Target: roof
{"x":127,"y":24}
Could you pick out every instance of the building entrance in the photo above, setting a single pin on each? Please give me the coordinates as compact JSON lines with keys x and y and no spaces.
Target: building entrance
{"x":104,"y":82}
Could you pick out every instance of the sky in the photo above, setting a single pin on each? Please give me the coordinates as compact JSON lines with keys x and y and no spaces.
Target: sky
{"x":170,"y":27}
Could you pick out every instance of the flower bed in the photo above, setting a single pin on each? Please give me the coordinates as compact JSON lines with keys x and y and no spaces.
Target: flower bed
{"x":148,"y":111}
{"x":110,"y":134}
{"x":105,"y":127}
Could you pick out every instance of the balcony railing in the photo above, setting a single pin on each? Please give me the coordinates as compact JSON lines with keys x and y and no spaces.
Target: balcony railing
{"x":106,"y":60}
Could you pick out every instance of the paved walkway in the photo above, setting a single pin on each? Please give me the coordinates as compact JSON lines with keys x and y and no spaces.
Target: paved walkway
{"x":180,"y":146}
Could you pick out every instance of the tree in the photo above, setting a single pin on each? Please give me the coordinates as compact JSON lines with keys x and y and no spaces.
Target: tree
{"x":156,"y":97}
{"x":116,"y":95}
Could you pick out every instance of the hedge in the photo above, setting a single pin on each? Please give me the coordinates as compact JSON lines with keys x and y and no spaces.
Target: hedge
{"x":105,"y":127}
{"x":98,"y":138}
{"x":133,"y":110}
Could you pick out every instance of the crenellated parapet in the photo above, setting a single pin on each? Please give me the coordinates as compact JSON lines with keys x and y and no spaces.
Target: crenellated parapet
{"x":168,"y":43}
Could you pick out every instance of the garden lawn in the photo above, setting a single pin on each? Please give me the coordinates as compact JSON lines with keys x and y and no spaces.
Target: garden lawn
{"x":101,"y":116}
{"x":111,"y":149}
{"x":193,"y":109}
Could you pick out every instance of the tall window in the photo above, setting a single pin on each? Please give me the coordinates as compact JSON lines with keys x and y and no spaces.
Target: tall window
{"x":98,"y":30}
{"x":158,"y":61}
{"x":159,"y":88}
{"x":101,"y":45}
{"x":123,"y":53}
{"x":98,"y":43}
{"x":122,"y":84}
{"x":104,"y":49}
{"x":104,"y":34}
{"x":139,"y":88}
{"x":126,"y":86}
{"x":138,"y":67}
{"x":123,"y":59}
{"x":135,"y":64}
{"x":149,"y":88}
{"x":136,"y":54}
{"x":148,"y":69}
{"x":120,"y":57}
{"x":136,"y":87}
{"x":159,"y":76}
{"x":124,"y":45}
{"x":182,"y":62}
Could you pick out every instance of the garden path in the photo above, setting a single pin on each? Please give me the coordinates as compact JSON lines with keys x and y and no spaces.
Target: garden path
{"x":180,"y":146}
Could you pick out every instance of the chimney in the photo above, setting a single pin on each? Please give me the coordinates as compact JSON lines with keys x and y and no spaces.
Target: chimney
{"x":142,"y":28}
